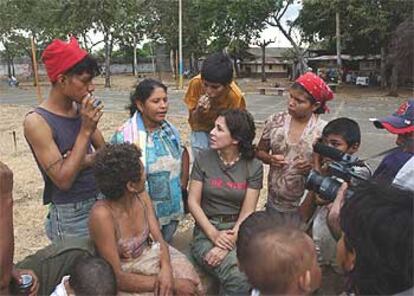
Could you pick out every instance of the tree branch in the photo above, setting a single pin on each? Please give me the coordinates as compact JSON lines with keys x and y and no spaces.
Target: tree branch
{"x":272,"y":24}
{"x":96,"y":43}
{"x":278,"y":18}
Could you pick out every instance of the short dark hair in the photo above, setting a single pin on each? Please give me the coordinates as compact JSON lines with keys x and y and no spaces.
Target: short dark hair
{"x":312,"y":100}
{"x":253,"y":224}
{"x":377,"y":222}
{"x":270,"y":251}
{"x":260,"y":221}
{"x":242,"y":128}
{"x":87,"y":65}
{"x":347,"y":128}
{"x":217,"y":68}
{"x":92,"y":276}
{"x":115,"y":165}
{"x":142,"y":92}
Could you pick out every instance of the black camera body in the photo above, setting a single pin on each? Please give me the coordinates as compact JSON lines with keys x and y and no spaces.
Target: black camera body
{"x":341,"y":169}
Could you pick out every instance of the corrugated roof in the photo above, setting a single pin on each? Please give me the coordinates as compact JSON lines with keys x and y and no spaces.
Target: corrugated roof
{"x":268,"y":60}
{"x":345,"y":57}
{"x":273,"y":52}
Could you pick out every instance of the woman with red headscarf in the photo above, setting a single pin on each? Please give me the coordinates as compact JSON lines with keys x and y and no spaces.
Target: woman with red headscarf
{"x":287,"y":140}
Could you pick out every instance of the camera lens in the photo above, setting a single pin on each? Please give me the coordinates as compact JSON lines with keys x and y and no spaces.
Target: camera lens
{"x":326,"y":187}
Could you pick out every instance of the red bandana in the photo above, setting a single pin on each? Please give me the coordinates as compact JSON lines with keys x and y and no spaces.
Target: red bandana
{"x":319,"y":90}
{"x":60,"y":56}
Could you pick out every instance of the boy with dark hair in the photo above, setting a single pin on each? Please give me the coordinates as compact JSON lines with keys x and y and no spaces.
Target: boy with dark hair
{"x":277,"y":258}
{"x":208,"y":93}
{"x":89,"y":276}
{"x":376,"y":247}
{"x":344,"y":135}
{"x":62,"y":134}
{"x":343,"y":131}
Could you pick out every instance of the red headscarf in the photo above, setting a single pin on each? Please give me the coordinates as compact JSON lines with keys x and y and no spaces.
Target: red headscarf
{"x":60,"y":56}
{"x":319,"y":90}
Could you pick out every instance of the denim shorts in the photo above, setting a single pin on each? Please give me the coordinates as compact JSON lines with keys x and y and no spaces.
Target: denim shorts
{"x":168,"y":230}
{"x":199,"y":142}
{"x":70,"y":220}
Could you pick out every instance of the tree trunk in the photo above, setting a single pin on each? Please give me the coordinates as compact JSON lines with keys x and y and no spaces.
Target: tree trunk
{"x":394,"y":81}
{"x":12,"y":67}
{"x":383,"y":69}
{"x":191,"y":64}
{"x":236,"y":67}
{"x":338,"y":48}
{"x":172,"y":63}
{"x":107,"y":42}
{"x":195,"y":63}
{"x":134,"y":61}
{"x":9,"y":71}
{"x":263,"y":62}
{"x":300,"y":66}
{"x":33,"y":68}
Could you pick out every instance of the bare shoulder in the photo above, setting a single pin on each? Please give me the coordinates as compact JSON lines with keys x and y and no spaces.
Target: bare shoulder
{"x":100,"y":210}
{"x":33,"y":122}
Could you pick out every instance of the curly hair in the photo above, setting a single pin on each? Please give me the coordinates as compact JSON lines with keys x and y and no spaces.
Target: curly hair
{"x":242,"y":128}
{"x":116,"y":165}
{"x":377,"y":222}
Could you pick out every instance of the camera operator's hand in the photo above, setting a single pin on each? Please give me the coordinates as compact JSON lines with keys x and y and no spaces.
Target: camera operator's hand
{"x":277,"y":160}
{"x":333,"y":215}
{"x":90,"y":114}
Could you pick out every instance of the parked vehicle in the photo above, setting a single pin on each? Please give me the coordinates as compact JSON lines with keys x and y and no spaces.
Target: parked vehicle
{"x":362,"y":81}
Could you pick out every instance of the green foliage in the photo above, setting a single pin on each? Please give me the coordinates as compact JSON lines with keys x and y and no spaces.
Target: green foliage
{"x":366,"y":25}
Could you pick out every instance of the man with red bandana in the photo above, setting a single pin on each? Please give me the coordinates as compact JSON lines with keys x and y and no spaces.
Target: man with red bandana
{"x":62,"y":134}
{"x":287,"y":144}
{"x":397,"y":168}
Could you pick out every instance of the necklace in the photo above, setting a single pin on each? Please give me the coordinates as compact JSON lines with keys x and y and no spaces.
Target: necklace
{"x":228,"y":163}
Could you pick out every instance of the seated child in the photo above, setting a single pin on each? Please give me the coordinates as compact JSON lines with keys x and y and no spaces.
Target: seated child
{"x":343,"y":134}
{"x":89,"y":276}
{"x":277,"y":259}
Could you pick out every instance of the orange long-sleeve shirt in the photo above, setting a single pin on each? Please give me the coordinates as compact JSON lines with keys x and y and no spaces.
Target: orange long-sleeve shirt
{"x":232,"y":99}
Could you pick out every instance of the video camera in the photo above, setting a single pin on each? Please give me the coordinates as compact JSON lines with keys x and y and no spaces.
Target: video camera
{"x":341,"y":169}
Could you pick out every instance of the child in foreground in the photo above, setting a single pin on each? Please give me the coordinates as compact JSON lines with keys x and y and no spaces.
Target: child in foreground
{"x":277,"y":260}
{"x":89,"y":276}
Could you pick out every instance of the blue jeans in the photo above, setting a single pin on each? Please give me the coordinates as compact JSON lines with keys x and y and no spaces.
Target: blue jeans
{"x":69,"y":220}
{"x":168,"y":230}
{"x":199,"y":142}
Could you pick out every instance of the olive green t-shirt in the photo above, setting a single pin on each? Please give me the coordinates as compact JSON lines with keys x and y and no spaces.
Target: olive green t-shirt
{"x":224,"y":188}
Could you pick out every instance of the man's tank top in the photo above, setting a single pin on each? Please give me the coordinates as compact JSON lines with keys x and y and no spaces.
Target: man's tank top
{"x":65,"y":131}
